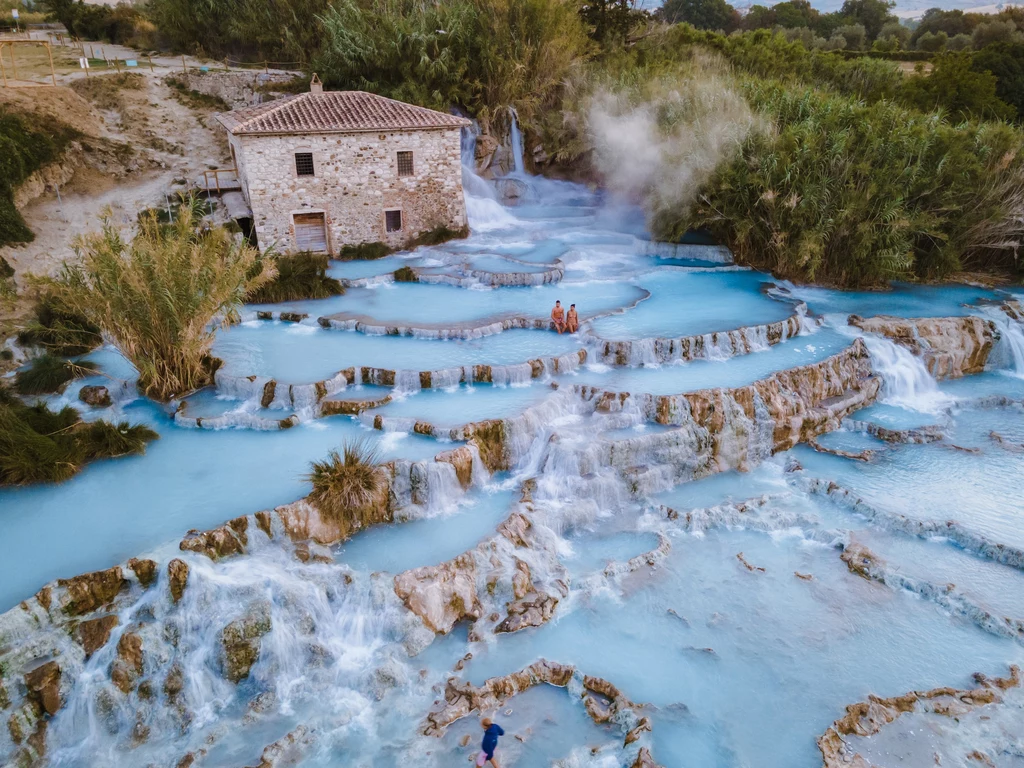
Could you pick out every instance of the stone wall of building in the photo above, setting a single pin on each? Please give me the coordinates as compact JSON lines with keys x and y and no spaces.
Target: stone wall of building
{"x":355,"y":181}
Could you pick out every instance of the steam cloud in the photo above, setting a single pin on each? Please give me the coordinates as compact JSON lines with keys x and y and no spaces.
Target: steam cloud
{"x":658,"y":144}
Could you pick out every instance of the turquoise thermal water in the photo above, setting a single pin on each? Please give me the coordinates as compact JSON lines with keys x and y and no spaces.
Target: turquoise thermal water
{"x":734,"y":667}
{"x":444,"y":306}
{"x":673,"y":378}
{"x":299,"y":353}
{"x":459,"y":405}
{"x":682,"y":305}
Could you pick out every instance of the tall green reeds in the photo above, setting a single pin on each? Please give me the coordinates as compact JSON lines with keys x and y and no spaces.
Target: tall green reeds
{"x":161,"y":295}
{"x":857,"y":194}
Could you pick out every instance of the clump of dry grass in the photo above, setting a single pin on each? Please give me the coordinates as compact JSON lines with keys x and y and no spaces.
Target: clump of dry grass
{"x":162,"y":295}
{"x":347,"y":483}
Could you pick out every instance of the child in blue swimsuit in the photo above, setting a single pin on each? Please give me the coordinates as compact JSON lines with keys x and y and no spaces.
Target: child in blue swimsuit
{"x":491,"y":733}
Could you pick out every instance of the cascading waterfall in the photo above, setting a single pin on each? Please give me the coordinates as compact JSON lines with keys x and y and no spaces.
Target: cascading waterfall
{"x":907,"y":382}
{"x":1008,"y":354}
{"x":516,"y":140}
{"x":483,"y":210}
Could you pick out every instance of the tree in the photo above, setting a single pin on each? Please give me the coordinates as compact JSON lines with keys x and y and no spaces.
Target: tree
{"x":936,"y":20}
{"x":872,"y":14}
{"x":1006,"y":62}
{"x":895,"y":31}
{"x":795,"y":13}
{"x":758,"y":17}
{"x":855,"y":36}
{"x":703,"y":14}
{"x":932,"y":42}
{"x":610,"y":19}
{"x":994,"y":32}
{"x":827,"y":23}
{"x":959,"y":43}
{"x":955,"y":86}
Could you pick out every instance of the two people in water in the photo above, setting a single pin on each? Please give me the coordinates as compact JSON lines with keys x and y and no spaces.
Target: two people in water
{"x":565,"y":322}
{"x":491,"y":733}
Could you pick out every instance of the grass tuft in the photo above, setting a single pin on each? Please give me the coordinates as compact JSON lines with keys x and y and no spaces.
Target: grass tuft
{"x":347,"y":483}
{"x":364,"y":252}
{"x":38,"y":445}
{"x":301,"y":276}
{"x":161,"y":296}
{"x":406,"y":275}
{"x":105,"y":440}
{"x":58,"y":330}
{"x":437,"y":235}
{"x":50,"y":373}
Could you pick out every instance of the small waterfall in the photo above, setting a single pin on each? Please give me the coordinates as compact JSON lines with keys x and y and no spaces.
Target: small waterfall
{"x":907,"y":382}
{"x":516,"y":138}
{"x":1008,"y":354}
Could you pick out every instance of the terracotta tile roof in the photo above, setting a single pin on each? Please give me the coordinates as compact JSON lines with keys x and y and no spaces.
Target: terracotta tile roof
{"x":335,"y":112}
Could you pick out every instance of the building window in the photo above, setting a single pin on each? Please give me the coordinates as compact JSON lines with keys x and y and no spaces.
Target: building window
{"x":405,"y":164}
{"x":393,"y":221}
{"x":304,"y":163}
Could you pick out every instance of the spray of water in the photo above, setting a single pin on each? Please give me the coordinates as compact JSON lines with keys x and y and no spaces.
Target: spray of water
{"x":659,"y":144}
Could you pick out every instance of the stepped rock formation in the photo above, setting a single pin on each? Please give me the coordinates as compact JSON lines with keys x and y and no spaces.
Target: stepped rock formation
{"x":657,"y":351}
{"x":867,"y":718}
{"x":602,"y":700}
{"x":950,"y":347}
{"x":442,"y":595}
{"x":486,"y":581}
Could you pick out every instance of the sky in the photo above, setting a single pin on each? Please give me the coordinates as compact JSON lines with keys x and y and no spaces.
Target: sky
{"x":905,"y":9}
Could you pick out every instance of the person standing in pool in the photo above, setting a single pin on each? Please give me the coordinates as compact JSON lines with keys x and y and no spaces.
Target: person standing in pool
{"x":491,"y":733}
{"x":572,"y":320}
{"x":558,"y":317}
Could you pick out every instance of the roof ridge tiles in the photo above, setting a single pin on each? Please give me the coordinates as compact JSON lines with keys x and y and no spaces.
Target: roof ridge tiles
{"x":335,"y":112}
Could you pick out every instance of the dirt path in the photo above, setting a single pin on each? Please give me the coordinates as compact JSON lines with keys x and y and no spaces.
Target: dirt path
{"x":171,"y":142}
{"x":174,"y":143}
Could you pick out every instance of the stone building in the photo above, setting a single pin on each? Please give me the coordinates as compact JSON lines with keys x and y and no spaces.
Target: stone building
{"x":324,"y":170}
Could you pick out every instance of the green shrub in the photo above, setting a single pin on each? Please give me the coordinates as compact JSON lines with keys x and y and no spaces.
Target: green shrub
{"x":26,"y":145}
{"x":38,"y":445}
{"x":364,"y":252}
{"x":59,"y":330}
{"x":49,"y":373}
{"x":857,"y":194}
{"x":485,"y":55}
{"x":122,"y":23}
{"x":300,"y":276}
{"x":437,"y":235}
{"x":405,"y":275}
